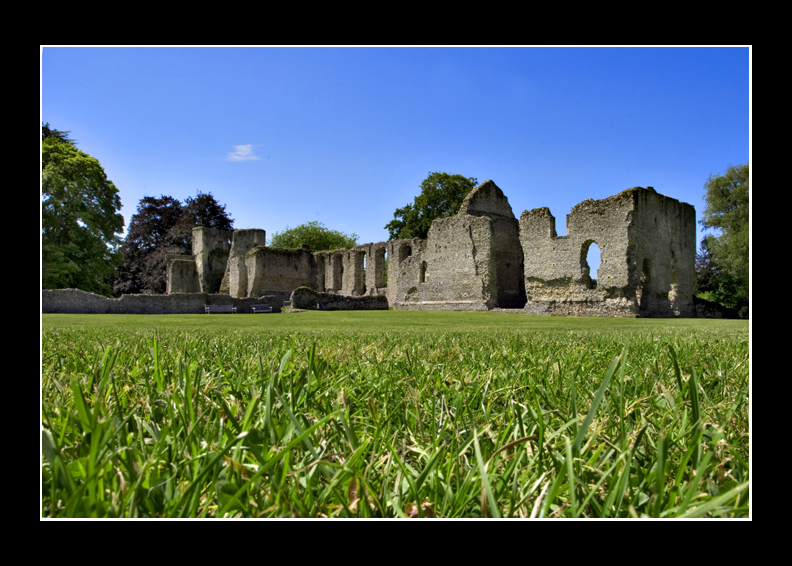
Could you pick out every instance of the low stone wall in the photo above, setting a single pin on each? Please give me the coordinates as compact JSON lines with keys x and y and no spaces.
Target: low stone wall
{"x":74,"y":301}
{"x":441,"y":305}
{"x":616,"y":308}
{"x":307,"y":298}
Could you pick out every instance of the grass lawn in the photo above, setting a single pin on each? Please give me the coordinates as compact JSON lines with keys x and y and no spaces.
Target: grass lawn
{"x":393,"y":414}
{"x":392,"y":320}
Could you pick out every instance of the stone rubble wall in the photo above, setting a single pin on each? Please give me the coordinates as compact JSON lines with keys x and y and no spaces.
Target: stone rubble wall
{"x":182,"y":276}
{"x":211,"y":248}
{"x":235,"y":276}
{"x":275,"y":269}
{"x":310,"y":299}
{"x":647,"y":247}
{"x":661,"y":257}
{"x":482,"y":258}
{"x":75,"y":301}
{"x":470,"y":261}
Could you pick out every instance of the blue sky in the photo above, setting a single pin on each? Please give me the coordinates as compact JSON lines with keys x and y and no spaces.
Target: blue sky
{"x":284,"y":136}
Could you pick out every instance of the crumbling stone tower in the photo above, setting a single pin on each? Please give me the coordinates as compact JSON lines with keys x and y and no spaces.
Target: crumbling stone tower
{"x":235,"y":277}
{"x":648,"y":247}
{"x":203,"y":271}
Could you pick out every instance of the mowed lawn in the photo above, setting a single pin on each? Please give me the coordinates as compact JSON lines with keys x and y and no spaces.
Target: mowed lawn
{"x":393,"y":414}
{"x":401,"y":320}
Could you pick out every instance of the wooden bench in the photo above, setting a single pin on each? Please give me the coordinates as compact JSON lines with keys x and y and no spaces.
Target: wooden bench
{"x":260,"y":308}
{"x":219,"y":308}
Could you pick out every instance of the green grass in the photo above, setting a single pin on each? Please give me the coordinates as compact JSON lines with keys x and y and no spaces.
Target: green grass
{"x":393,"y":413}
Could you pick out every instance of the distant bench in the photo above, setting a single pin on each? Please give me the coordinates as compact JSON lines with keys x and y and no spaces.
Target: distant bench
{"x":260,"y":308}
{"x":219,"y":309}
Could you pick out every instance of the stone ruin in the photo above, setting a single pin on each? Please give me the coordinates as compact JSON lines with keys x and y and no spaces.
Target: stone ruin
{"x":481,"y":259}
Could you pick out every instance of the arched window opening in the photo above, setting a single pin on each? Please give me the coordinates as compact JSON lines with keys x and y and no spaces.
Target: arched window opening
{"x":381,"y":268}
{"x":590,"y":260}
{"x":423,"y":272}
{"x":338,"y":272}
{"x":404,"y":252}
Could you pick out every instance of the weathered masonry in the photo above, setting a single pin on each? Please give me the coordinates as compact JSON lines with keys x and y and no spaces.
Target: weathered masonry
{"x":481,"y":259}
{"x":647,"y":244}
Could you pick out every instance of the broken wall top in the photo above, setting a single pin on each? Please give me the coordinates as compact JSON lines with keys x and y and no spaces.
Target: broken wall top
{"x":487,"y":200}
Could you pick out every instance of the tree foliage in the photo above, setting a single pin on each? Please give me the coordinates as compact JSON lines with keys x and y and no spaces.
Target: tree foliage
{"x":723,"y":261}
{"x":47,"y":132}
{"x":160,"y":227}
{"x":80,"y":220}
{"x":315,"y":235}
{"x":441,"y":196}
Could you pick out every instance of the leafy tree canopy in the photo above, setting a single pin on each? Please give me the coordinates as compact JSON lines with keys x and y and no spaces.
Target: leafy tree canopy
{"x":723,"y":264}
{"x":315,"y":235}
{"x":160,"y":227}
{"x":441,"y":196}
{"x":80,"y":220}
{"x":47,"y":132}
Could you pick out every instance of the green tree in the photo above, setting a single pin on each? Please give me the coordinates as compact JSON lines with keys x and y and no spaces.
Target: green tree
{"x":46,"y":132}
{"x":80,"y":220}
{"x":315,"y":235}
{"x":727,"y":211}
{"x":441,"y":196}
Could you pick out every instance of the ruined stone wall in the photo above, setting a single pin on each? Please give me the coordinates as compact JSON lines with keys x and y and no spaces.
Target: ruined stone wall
{"x":404,"y":267}
{"x":235,"y":277}
{"x":307,"y":298}
{"x":636,"y":231}
{"x":211,"y":248}
{"x":557,"y":276}
{"x":480,"y":259}
{"x":505,"y":285}
{"x":278,"y":271}
{"x":471,"y":261}
{"x":342,"y":271}
{"x":662,"y":255}
{"x":352,"y":280}
{"x":377,"y":283}
{"x":507,"y":263}
{"x":374,"y":269}
{"x":452,"y":272}
{"x":182,"y":275}
{"x":74,"y":301}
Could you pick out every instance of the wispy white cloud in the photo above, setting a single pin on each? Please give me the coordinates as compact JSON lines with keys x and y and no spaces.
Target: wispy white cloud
{"x":243,"y":153}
